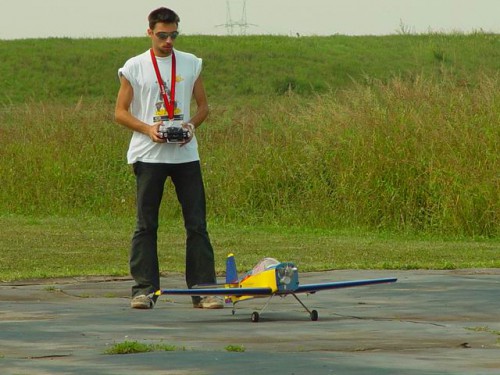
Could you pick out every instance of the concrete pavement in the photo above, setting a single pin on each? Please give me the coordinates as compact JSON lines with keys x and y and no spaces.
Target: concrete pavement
{"x":429,"y":322}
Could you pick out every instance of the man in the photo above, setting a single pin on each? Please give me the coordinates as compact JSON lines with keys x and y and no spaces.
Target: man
{"x":156,"y":88}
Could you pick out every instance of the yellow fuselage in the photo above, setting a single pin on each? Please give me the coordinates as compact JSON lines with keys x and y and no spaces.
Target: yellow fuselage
{"x":265,"y":279}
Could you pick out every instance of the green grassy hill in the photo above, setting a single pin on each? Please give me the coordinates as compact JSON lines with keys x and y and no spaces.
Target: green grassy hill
{"x":63,"y":70}
{"x":394,"y":133}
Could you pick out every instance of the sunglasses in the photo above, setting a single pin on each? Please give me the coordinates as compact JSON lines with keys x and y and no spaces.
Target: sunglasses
{"x":164,"y":35}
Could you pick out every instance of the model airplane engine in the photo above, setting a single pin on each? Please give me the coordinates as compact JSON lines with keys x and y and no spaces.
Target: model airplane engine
{"x":287,"y":277}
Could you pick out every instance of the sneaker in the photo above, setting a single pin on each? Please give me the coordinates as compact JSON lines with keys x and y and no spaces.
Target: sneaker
{"x":211,"y":302}
{"x":142,"y":302}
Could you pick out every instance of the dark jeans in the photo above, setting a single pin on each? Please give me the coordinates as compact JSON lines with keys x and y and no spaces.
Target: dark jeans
{"x":188,"y":182}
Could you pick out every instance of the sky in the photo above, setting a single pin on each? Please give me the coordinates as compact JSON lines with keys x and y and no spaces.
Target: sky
{"x":21,"y":19}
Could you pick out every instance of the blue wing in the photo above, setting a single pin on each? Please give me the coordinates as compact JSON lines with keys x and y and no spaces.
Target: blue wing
{"x":312,"y":288}
{"x":218,"y":292}
{"x":306,"y":288}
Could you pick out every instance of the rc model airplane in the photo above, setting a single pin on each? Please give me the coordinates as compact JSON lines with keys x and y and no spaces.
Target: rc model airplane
{"x":268,"y":278}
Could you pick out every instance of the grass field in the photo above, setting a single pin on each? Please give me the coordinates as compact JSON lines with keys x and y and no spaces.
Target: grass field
{"x":333,"y":152}
{"x":69,"y":247}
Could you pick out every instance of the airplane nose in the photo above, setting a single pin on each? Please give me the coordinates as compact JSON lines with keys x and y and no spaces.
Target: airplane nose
{"x":287,"y":275}
{"x":286,"y":280}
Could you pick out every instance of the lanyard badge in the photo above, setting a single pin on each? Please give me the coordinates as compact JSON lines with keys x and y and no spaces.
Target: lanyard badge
{"x":169,"y":104}
{"x":170,"y":132}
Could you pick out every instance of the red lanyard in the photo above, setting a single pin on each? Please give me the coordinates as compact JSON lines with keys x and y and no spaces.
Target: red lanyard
{"x":169,"y":104}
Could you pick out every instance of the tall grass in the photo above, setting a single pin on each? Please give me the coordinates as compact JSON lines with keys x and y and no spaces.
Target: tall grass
{"x":417,"y":156}
{"x":61,"y":160}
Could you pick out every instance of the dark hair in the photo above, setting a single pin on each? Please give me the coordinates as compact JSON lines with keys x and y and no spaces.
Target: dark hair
{"x":162,"y":15}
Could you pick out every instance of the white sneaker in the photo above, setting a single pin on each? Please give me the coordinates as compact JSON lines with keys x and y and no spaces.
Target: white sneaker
{"x":142,"y":302}
{"x":210,"y":302}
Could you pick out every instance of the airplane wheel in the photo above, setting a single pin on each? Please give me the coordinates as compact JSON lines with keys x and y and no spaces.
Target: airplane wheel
{"x":255,"y":317}
{"x":314,"y":315}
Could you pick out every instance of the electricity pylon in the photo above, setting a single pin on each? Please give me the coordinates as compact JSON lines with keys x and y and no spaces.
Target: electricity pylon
{"x":242,"y":23}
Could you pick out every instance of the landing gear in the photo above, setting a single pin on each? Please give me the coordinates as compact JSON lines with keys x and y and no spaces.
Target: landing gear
{"x":314,"y":315}
{"x":255,"y":317}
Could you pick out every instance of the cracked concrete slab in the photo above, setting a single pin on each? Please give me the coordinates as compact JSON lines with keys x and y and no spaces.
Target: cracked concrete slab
{"x":429,"y":322}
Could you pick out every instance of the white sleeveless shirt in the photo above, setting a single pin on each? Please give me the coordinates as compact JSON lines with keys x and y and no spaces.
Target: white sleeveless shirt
{"x":147,"y":104}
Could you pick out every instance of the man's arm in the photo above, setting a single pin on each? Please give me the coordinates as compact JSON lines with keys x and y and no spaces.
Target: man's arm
{"x":125,"y":118}
{"x":201,"y":103}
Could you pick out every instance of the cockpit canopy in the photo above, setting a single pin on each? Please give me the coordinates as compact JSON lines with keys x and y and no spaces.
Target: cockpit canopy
{"x":264,"y":264}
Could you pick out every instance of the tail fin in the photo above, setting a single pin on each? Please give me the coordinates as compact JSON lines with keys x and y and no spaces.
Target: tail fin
{"x":231,"y":272}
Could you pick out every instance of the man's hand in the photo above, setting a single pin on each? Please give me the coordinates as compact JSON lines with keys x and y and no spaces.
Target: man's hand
{"x":189,"y":126}
{"x":154,"y":133}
